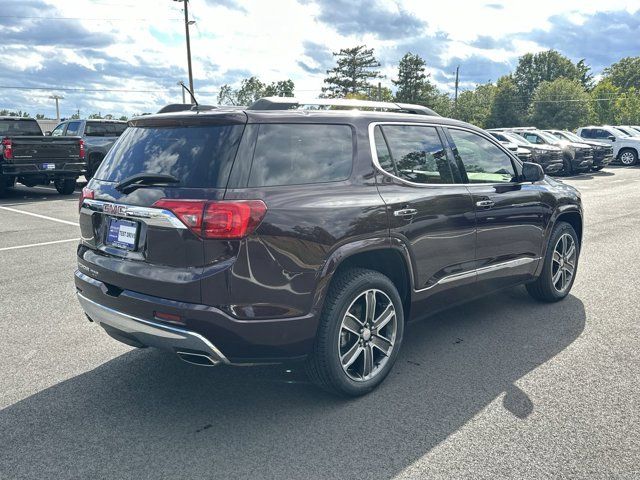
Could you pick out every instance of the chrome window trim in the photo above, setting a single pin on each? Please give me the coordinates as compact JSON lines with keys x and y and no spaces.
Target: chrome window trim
{"x":376,"y":162}
{"x":517,"y":262}
{"x":148,"y":215}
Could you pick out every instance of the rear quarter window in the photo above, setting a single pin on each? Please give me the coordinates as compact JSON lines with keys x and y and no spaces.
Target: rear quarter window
{"x":296,"y":154}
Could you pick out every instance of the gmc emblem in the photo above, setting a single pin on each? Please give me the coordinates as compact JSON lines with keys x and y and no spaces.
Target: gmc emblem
{"x":112,"y":209}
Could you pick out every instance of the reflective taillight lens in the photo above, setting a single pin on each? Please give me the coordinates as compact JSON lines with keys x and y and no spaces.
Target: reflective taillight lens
{"x":7,"y":148}
{"x":217,"y":220}
{"x":86,"y":193}
{"x":82,"y":152}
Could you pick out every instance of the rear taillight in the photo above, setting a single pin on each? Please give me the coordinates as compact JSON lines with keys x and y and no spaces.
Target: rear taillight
{"x":7,"y":148}
{"x":82,"y":152}
{"x":227,"y":219}
{"x":86,"y":193}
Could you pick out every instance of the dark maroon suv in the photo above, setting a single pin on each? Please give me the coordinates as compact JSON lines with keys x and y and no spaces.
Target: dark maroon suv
{"x":261,"y":236}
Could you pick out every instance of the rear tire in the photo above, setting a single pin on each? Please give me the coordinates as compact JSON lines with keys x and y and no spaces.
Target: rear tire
{"x":362,"y":318}
{"x":628,"y":157}
{"x":92,"y":165}
{"x":4,"y":185}
{"x":560,"y":265}
{"x":65,"y":186}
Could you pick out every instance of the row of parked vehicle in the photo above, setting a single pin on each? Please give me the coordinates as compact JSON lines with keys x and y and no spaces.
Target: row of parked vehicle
{"x":563,"y":152}
{"x":72,"y":149}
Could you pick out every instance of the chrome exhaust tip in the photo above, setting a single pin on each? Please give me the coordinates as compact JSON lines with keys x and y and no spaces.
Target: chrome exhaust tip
{"x":201,"y":359}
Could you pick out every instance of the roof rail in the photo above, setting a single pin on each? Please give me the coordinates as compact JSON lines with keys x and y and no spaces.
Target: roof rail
{"x":291,"y":103}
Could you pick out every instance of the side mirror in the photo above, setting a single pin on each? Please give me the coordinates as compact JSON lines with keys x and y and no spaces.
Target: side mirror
{"x":612,"y":138}
{"x":532,"y":172}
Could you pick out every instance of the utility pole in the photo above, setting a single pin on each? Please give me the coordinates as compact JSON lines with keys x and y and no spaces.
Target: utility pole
{"x":56,"y":98}
{"x":188,"y":22}
{"x":455,"y":101}
{"x":379,"y":91}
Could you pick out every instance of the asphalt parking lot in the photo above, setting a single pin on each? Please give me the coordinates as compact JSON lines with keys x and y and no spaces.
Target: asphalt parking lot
{"x":501,"y":387}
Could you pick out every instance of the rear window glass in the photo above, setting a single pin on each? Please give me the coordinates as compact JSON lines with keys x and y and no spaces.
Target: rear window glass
{"x":199,"y":156}
{"x":300,"y":154}
{"x":102,"y":129}
{"x":19,"y":127}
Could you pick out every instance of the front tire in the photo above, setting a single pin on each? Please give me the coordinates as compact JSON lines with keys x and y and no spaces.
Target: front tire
{"x":560,"y":265}
{"x":360,"y":333}
{"x":65,"y":186}
{"x":628,"y":157}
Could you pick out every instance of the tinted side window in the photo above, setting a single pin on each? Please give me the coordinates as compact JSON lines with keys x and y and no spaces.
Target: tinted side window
{"x":483,"y":161}
{"x":72,"y":129}
{"x":601,"y":133}
{"x":416,"y":154}
{"x":288,"y":154}
{"x":586,"y":133}
{"x":104,"y":129}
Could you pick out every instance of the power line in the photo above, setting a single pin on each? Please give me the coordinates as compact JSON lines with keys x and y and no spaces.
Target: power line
{"x":86,"y":18}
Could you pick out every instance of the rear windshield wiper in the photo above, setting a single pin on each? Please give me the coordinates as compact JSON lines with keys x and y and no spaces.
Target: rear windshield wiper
{"x":138,"y":180}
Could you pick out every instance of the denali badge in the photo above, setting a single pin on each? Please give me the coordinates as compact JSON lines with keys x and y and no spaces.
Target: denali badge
{"x":112,"y":209}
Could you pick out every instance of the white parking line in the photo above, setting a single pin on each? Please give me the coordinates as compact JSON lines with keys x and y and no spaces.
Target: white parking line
{"x":39,"y":244}
{"x":37,"y":215}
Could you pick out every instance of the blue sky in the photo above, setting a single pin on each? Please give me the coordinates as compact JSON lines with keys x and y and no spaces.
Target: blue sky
{"x":130,"y":53}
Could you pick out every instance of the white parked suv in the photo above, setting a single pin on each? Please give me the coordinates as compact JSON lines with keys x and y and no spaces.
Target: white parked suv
{"x":625,"y":147}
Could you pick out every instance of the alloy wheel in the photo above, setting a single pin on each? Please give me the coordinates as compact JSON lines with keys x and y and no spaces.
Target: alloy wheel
{"x":367,"y":335}
{"x":627,"y":158}
{"x":563,"y":262}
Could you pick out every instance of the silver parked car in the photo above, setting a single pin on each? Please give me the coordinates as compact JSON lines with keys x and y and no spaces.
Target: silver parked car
{"x":99,"y":136}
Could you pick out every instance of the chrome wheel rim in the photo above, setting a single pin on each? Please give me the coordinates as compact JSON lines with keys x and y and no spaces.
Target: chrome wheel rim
{"x":563,"y":265}
{"x":367,"y":335}
{"x":627,"y":158}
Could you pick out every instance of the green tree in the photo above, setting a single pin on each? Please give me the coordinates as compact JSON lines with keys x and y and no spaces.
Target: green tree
{"x":123,"y":118}
{"x":282,"y":88}
{"x":627,"y":107}
{"x":507,"y":107}
{"x":40,"y":116}
{"x":227,"y":96}
{"x":474,"y":106}
{"x":603,"y":99}
{"x":584,"y":75}
{"x":561,"y":103}
{"x":95,"y":115}
{"x":412,"y":79}
{"x":533,"y":69}
{"x":251,"y":89}
{"x":354,"y":70}
{"x":624,"y":73}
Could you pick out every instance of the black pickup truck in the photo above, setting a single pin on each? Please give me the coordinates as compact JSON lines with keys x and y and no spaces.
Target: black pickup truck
{"x":28,"y":157}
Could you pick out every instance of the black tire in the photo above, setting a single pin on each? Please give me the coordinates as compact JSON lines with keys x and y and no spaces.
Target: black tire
{"x":65,"y":186}
{"x":4,"y":185}
{"x":568,"y":166}
{"x":543,"y":288}
{"x":92,"y":165}
{"x":324,"y":366}
{"x":628,"y":157}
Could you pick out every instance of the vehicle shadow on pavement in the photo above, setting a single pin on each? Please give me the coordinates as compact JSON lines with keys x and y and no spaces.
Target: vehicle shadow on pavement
{"x":148,"y":415}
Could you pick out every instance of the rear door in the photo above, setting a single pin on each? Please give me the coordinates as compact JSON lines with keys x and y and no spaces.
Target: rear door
{"x":429,"y":208}
{"x":510,"y":214}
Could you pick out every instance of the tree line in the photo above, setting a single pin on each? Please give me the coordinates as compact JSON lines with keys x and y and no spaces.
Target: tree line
{"x":546,"y":89}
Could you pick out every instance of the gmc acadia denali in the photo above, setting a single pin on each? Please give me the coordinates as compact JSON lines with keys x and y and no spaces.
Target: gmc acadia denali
{"x":266,"y":235}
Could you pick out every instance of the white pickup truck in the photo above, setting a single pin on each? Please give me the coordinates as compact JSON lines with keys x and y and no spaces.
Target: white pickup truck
{"x":625,"y":147}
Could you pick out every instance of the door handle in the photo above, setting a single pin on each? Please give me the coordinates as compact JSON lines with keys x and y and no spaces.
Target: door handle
{"x":485,"y":203}
{"x":405,"y":212}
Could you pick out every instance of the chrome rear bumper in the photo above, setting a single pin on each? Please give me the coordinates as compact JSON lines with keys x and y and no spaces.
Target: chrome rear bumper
{"x":189,"y":346}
